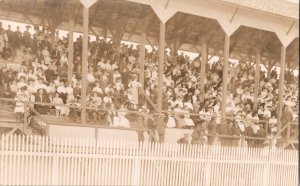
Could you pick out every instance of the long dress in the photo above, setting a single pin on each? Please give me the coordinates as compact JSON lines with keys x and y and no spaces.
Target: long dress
{"x":187,"y":120}
{"x":122,"y":120}
{"x":133,"y":88}
{"x":58,"y":101}
{"x":179,"y":118}
{"x":20,"y":106}
{"x":171,"y":123}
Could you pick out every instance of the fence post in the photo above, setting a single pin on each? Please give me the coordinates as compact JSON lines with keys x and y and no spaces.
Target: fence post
{"x":136,"y":172}
{"x":208,"y":172}
{"x":266,"y":171}
{"x":55,"y":170}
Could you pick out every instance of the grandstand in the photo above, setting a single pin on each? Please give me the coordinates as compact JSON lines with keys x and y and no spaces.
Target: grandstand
{"x":124,"y":103}
{"x":121,"y":86}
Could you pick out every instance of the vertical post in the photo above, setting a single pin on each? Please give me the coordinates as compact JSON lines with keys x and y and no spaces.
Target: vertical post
{"x":203,"y":62}
{"x":96,"y":133}
{"x":136,"y":169}
{"x":224,"y":77}
{"x":161,"y":64}
{"x":84,"y":63}
{"x":281,"y":86}
{"x":257,"y":77}
{"x":142,"y":58}
{"x":55,"y":170}
{"x":266,"y":173}
{"x":208,"y":173}
{"x":70,"y":50}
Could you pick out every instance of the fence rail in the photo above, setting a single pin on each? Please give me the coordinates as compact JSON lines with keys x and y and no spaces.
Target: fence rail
{"x":28,"y":160}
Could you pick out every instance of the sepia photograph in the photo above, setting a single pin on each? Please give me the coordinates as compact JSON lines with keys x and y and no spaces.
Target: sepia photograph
{"x":149,"y":92}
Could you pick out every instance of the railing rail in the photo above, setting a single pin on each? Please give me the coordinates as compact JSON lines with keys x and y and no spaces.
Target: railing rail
{"x":129,"y":111}
{"x":241,"y":137}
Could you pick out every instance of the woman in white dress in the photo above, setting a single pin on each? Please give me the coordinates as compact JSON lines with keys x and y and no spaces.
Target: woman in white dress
{"x":22,"y":95}
{"x":69,"y":90}
{"x":179,"y":118}
{"x":120,"y":120}
{"x":187,"y":119}
{"x":133,"y":86}
{"x":171,"y":123}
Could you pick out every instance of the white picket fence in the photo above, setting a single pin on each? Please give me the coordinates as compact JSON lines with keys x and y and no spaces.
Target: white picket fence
{"x":65,"y":161}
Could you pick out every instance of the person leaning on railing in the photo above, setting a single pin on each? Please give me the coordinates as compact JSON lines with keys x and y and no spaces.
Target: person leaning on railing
{"x":212,"y":130}
{"x":286,"y":117}
{"x":142,"y":121}
{"x":160,"y":126}
{"x":235,"y":131}
{"x":261,"y":133}
{"x":198,"y":135}
{"x":249,"y":132}
{"x":224,"y":129}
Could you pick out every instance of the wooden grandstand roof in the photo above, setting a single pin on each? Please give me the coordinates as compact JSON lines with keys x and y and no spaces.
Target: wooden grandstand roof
{"x":129,"y":19}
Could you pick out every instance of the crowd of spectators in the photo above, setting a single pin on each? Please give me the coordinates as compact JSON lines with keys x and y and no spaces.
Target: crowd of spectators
{"x":39,"y":73}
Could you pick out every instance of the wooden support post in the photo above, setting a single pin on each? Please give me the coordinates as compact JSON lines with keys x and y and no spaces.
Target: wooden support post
{"x":161,"y":64}
{"x":257,"y":77}
{"x":84,"y":63}
{"x":70,"y":50}
{"x":142,"y":58}
{"x":269,"y":68}
{"x":203,"y":62}
{"x":224,"y":77}
{"x":281,"y":86}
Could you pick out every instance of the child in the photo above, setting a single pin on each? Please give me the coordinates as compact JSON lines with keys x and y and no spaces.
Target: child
{"x":57,"y":100}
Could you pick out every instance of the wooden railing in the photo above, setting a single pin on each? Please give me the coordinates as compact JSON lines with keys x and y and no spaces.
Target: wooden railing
{"x":242,"y":138}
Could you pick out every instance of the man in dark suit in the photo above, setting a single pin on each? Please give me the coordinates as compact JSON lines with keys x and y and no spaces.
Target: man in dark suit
{"x":160,"y":126}
{"x":286,"y":117}
{"x":50,"y":74}
{"x":44,"y":98}
{"x":5,"y":90}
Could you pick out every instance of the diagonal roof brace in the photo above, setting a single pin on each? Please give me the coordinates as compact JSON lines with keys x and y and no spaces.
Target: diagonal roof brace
{"x":167,"y":4}
{"x":290,"y":28}
{"x":233,"y":15}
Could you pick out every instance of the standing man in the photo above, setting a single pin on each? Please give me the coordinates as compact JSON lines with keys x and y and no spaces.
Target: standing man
{"x":286,"y":117}
{"x":224,"y":129}
{"x":160,"y":126}
{"x":212,"y":130}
